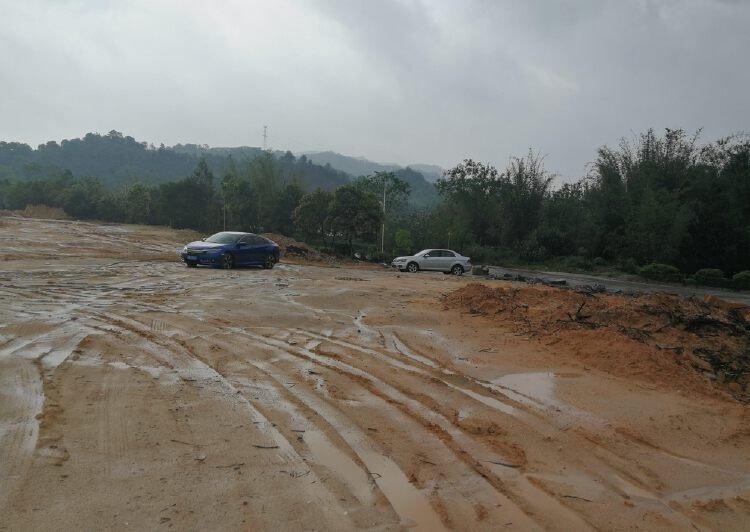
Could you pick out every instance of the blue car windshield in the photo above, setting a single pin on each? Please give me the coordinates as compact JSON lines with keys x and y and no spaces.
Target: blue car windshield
{"x":223,"y":238}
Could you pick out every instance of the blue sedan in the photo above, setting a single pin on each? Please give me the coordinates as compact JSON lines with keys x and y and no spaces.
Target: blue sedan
{"x":229,"y":249}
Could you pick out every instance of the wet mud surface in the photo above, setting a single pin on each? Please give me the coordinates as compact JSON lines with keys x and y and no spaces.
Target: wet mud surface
{"x":137,"y":393}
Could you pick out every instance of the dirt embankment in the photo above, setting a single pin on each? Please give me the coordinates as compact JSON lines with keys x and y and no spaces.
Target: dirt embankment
{"x":292,"y":249}
{"x":664,"y":339}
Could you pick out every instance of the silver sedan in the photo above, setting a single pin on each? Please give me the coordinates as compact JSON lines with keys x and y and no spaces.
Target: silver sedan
{"x":441,"y":260}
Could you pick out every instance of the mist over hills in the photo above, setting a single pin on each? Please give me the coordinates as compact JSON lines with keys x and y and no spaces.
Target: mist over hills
{"x":357,"y":166}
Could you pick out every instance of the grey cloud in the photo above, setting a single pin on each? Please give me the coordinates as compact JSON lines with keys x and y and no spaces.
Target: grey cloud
{"x":395,"y":80}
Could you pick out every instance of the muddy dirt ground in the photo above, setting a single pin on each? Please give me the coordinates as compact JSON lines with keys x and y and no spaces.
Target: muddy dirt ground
{"x":137,"y":393}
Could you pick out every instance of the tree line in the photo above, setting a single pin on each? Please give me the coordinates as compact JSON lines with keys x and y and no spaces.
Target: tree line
{"x":667,"y":200}
{"x":254,"y":197}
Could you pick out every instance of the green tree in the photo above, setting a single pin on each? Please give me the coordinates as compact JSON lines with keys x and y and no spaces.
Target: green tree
{"x":403,"y":241}
{"x":287,"y":201}
{"x":391,"y":189}
{"x":311,"y":217}
{"x":137,"y":203}
{"x":354,"y":213}
{"x":265,"y":180}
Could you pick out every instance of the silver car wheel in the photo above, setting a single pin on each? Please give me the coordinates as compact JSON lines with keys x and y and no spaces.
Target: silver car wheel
{"x":457,"y":270}
{"x":412,"y":267}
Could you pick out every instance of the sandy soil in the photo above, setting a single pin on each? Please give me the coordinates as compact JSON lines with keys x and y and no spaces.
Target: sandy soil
{"x":137,"y":393}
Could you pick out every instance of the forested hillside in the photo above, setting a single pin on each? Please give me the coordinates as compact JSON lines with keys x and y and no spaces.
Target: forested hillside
{"x":118,"y":160}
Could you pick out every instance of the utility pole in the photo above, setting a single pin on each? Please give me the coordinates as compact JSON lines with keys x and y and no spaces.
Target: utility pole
{"x":382,"y":236}
{"x":265,"y":138}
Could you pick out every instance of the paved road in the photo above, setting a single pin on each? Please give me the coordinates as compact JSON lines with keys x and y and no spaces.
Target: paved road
{"x":576,"y":279}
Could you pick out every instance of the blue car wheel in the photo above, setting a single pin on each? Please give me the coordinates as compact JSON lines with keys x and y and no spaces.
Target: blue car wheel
{"x":227,"y":261}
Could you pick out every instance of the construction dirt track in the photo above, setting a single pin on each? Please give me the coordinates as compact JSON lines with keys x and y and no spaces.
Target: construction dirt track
{"x":137,"y":393}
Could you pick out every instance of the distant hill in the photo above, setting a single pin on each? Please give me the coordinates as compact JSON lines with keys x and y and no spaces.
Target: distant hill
{"x":118,"y":160}
{"x":430,"y":172}
{"x":357,"y":166}
{"x":423,"y":191}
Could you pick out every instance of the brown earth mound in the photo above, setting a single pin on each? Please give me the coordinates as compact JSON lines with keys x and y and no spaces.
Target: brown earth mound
{"x":290,"y":248}
{"x":666,"y":339}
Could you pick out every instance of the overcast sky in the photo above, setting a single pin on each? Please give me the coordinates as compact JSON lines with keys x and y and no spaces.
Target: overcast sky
{"x":393,"y":80}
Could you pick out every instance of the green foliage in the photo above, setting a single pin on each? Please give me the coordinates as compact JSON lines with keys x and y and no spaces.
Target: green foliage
{"x":710,"y":277}
{"x":533,"y":250}
{"x":741,"y":280}
{"x":311,"y":216}
{"x":501,"y":208}
{"x":354,"y":212}
{"x":661,"y":272}
{"x":403,"y":241}
{"x":629,"y":266}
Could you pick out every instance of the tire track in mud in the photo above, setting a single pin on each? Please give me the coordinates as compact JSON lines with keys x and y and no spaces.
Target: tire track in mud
{"x":614,"y":471}
{"x":144,"y":326}
{"x":404,"y":498}
{"x":614,"y":468}
{"x":438,"y":426}
{"x":26,"y":405}
{"x":194,"y":371}
{"x":612,"y":476}
{"x":390,"y":479}
{"x":382,"y":471}
{"x":499,"y":478}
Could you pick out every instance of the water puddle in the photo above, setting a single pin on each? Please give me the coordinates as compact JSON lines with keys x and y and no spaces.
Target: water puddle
{"x":489,"y":401}
{"x":328,"y":455}
{"x":410,"y":505}
{"x":404,"y":350}
{"x":631,"y":489}
{"x":531,"y":388}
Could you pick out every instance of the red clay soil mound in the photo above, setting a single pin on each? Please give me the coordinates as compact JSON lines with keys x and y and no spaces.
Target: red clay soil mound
{"x":683,"y":342}
{"x":291,"y":248}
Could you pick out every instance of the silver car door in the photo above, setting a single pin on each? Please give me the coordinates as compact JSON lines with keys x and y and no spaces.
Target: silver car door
{"x":447,"y":259}
{"x":429,"y":261}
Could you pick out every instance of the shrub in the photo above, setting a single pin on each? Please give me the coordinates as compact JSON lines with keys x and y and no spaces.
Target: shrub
{"x":45,"y":212}
{"x":533,"y":251}
{"x":486,"y":254}
{"x":741,"y":280}
{"x":661,"y":272}
{"x":403,"y":241}
{"x":600,"y":261}
{"x":710,"y":277}
{"x":630,"y":266}
{"x":376,"y":256}
{"x":576,"y":262}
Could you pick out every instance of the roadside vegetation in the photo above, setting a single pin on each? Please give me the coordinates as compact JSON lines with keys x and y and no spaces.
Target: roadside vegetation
{"x":667,"y":208}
